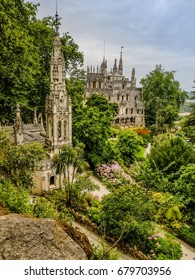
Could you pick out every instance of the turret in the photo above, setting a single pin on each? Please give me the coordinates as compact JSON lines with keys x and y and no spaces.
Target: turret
{"x":120,"y":67}
{"x":115,"y":69}
{"x":58,"y":104}
{"x":104,"y":66}
{"x":133,"y":78}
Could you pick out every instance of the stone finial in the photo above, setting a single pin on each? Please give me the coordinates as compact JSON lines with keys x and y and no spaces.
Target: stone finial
{"x":18,"y":127}
{"x":18,"y":111}
{"x":35,"y":121}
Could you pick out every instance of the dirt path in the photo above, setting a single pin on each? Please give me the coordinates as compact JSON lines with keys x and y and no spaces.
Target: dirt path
{"x":95,"y":239}
{"x":188,"y":252}
{"x":102,"y":188}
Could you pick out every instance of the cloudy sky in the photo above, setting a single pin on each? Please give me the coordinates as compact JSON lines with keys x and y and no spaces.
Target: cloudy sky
{"x":151,"y":31}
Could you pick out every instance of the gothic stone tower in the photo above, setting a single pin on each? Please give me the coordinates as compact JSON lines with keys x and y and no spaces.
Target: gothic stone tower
{"x":58,"y":103}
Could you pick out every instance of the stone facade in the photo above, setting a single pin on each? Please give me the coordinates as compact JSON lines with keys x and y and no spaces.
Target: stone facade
{"x":119,"y":89}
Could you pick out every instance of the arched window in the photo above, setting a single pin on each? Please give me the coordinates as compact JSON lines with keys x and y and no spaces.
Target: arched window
{"x":51,"y":180}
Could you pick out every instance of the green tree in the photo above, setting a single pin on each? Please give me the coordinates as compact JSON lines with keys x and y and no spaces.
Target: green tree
{"x":129,"y":144}
{"x":92,"y":126}
{"x":70,"y":162}
{"x":162,"y":98}
{"x":169,"y":153}
{"x":26,"y":44}
{"x":17,"y":200}
{"x":19,"y":60}
{"x":188,"y":125}
{"x":185,"y":186}
{"x":76,"y":89}
{"x":18,"y":163}
{"x":127,"y":214}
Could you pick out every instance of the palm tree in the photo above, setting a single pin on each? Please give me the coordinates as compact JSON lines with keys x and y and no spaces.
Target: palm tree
{"x":68,"y":163}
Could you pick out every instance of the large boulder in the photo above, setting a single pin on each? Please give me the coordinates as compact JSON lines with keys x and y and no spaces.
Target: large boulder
{"x":26,"y":238}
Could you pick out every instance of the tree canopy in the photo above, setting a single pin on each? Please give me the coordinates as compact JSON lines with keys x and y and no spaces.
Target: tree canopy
{"x":92,"y":126}
{"x":162,"y":98}
{"x":18,"y":162}
{"x":26,"y":44}
{"x":169,"y":153}
{"x":129,"y":144}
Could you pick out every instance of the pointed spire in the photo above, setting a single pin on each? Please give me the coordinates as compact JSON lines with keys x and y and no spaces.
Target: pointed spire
{"x":120,"y":67}
{"x":133,"y":78}
{"x":115,"y":67}
{"x":103,"y":66}
{"x":57,"y":20}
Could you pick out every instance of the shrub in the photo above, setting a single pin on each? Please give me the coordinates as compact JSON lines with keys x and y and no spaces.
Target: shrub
{"x":163,"y":247}
{"x":113,"y":175}
{"x":58,"y":198}
{"x":17,"y":200}
{"x":45,"y":209}
{"x":102,"y":253}
{"x":186,"y":233}
{"x":129,"y":143}
{"x":95,"y":215}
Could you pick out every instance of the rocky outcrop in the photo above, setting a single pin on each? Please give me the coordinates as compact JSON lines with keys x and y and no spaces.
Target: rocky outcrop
{"x":26,"y":238}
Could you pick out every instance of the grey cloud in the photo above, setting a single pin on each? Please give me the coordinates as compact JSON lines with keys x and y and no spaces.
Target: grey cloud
{"x":152,"y":31}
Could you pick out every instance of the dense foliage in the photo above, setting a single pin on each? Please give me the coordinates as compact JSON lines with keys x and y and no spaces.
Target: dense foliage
{"x":185,"y":186}
{"x":17,"y":200}
{"x":162,"y":98}
{"x":129,"y":143}
{"x":18,"y":163}
{"x":127,"y":213}
{"x":169,"y":171}
{"x":92,"y":127}
{"x":169,"y":153}
{"x":70,"y":162}
{"x":26,"y":44}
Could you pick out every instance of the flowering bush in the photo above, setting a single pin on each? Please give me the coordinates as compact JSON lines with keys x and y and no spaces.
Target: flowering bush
{"x":144,"y":133}
{"x":113,"y":175}
{"x":163,"y":247}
